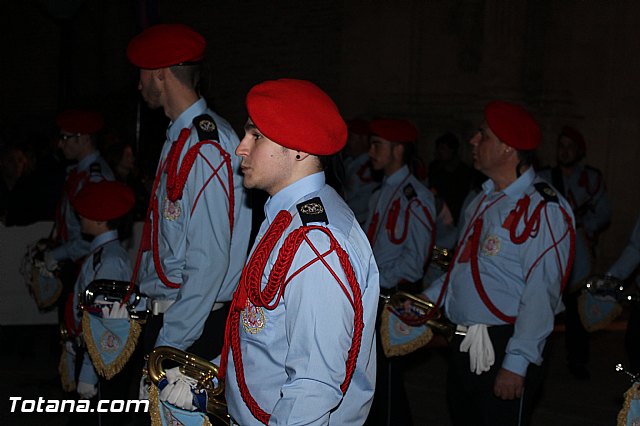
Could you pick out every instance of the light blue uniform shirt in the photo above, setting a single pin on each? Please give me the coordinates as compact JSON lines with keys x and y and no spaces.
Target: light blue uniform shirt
{"x":521,"y":280}
{"x":630,"y":257}
{"x":110,"y":261}
{"x":196,"y":246}
{"x":75,"y":247}
{"x":358,"y":186}
{"x":586,"y":193}
{"x":404,"y":261}
{"x":294,"y":356}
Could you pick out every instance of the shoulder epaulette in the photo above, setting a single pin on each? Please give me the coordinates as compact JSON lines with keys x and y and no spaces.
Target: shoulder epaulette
{"x":312,"y":211}
{"x":206,"y":128}
{"x":97,"y":258}
{"x":409,"y":192}
{"x":547,"y":192}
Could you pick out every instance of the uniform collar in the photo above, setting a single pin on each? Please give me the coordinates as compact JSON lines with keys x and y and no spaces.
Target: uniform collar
{"x":397,"y":176}
{"x":104,"y":238}
{"x":516,"y":189}
{"x":184,"y":120}
{"x":290,"y":195}
{"x":88,"y":160}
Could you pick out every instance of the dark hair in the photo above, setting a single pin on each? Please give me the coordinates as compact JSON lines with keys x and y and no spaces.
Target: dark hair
{"x":450,"y":140}
{"x":526,"y":158}
{"x":333,"y":168}
{"x":189,"y":75}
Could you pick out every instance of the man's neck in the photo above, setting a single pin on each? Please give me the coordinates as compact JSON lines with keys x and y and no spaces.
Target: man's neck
{"x":178,"y":101}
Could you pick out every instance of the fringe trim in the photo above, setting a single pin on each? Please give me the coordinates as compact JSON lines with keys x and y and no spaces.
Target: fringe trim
{"x":615,"y":313}
{"x":43,"y":304}
{"x":632,"y":393}
{"x":154,"y":408}
{"x":114,"y":367}
{"x":68,"y":385}
{"x":404,"y":349}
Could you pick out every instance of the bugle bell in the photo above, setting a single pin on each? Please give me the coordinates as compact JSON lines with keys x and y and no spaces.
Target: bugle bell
{"x":415,"y":311}
{"x":111,"y":291}
{"x":195,"y":367}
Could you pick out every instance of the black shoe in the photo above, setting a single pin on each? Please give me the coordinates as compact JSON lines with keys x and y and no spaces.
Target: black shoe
{"x":579,"y":371}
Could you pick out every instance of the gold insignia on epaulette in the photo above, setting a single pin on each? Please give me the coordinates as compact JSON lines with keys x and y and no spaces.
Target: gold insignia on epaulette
{"x":207,"y":125}
{"x":312,"y":208}
{"x":550,"y":192}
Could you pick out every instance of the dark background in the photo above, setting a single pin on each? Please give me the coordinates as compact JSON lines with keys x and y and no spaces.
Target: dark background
{"x":436,"y":62}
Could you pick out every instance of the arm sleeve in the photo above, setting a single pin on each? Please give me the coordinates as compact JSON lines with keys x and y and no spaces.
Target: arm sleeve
{"x":87,"y":372}
{"x":75,"y":248}
{"x":208,"y":242}
{"x":544,"y":259}
{"x":409,"y":264}
{"x":599,"y":213}
{"x":630,"y":257}
{"x":319,"y":327}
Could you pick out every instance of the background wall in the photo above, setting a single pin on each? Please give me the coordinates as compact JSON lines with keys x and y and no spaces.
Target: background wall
{"x":436,"y":62}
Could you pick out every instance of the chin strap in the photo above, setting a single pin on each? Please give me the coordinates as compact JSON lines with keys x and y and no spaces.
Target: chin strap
{"x":249,"y":291}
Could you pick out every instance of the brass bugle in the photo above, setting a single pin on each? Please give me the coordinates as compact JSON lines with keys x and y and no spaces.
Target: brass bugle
{"x":441,"y":257}
{"x":432,"y":313}
{"x":195,"y":367}
{"x":111,"y":291}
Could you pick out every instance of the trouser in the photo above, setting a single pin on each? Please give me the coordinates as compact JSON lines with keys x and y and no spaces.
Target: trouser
{"x":207,"y":346}
{"x":390,"y":402}
{"x":632,"y":339}
{"x":576,"y":337}
{"x":471,"y":399}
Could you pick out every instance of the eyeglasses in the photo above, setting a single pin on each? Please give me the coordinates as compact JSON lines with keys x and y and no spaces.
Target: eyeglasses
{"x":64,"y":138}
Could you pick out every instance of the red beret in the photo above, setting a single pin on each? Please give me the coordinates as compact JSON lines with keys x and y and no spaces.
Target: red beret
{"x":80,"y":121}
{"x":359,"y":126}
{"x":165,"y":45}
{"x":104,"y":200}
{"x":575,"y":136}
{"x":394,"y":130}
{"x":298,"y":115}
{"x":513,"y":125}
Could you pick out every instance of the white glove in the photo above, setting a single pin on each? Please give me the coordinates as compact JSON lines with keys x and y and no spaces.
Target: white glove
{"x":478,"y":344}
{"x":87,"y":391}
{"x":143,"y":389}
{"x":68,"y":346}
{"x":117,"y":311}
{"x":178,"y":390}
{"x":50,"y":263}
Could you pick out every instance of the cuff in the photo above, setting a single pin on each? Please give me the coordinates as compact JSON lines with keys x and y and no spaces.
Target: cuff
{"x":516,"y":364}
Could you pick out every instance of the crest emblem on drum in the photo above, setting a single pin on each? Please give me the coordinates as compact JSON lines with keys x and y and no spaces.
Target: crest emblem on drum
{"x":172,"y":210}
{"x":253,"y":319}
{"x":491,"y":245}
{"x":207,"y":125}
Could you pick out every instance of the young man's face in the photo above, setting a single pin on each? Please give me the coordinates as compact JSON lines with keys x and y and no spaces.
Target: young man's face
{"x":265,"y":164}
{"x":383,"y":154}
{"x":91,"y":227}
{"x":488,"y":151}
{"x":71,"y":145}
{"x":149,"y":89}
{"x":568,"y":151}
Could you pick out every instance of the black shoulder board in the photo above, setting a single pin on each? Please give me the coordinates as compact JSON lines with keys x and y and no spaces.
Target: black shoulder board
{"x":97,"y":258}
{"x":547,"y":192}
{"x":312,"y":211}
{"x":95,"y":169}
{"x":206,"y":128}
{"x":409,"y":192}
{"x":593,"y":169}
